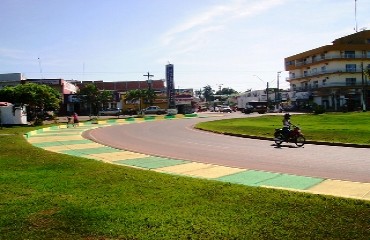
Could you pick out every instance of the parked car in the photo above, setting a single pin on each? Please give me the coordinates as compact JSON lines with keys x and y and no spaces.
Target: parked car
{"x":154,"y":110}
{"x":225,"y":109}
{"x":110,"y":112}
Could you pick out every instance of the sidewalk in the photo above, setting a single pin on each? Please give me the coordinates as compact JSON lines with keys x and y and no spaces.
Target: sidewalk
{"x":67,"y":139}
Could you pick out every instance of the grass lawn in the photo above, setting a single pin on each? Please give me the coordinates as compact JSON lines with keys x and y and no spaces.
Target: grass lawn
{"x":331,"y":127}
{"x":44,"y":195}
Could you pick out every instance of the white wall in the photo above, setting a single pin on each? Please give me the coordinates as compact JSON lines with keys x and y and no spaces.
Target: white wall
{"x":8,"y":116}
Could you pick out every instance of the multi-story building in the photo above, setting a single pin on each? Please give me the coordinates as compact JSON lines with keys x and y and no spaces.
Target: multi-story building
{"x":334,"y":76}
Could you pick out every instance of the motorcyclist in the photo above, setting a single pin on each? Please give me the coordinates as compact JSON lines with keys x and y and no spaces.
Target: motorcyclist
{"x":286,"y":125}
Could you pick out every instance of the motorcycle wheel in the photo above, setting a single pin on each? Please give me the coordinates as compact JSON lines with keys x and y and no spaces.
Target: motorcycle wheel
{"x":300,"y":141}
{"x":278,"y":139}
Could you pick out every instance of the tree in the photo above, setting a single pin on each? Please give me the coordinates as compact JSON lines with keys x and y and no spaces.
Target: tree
{"x":208,"y":93}
{"x":37,"y":97}
{"x":226,"y":91}
{"x":198,"y":93}
{"x":133,"y":96}
{"x":138,"y":95}
{"x":150,"y":96}
{"x":105,"y":97}
{"x":94,"y":98}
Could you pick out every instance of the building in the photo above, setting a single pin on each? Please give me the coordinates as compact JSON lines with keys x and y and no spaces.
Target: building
{"x":333,"y":76}
{"x":64,"y":87}
{"x":119,"y":90}
{"x":10,"y":79}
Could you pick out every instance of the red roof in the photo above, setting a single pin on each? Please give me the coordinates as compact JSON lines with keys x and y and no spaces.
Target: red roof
{"x":4,"y":104}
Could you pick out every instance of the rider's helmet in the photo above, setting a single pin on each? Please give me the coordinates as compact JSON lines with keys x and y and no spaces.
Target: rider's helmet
{"x":286,"y":115}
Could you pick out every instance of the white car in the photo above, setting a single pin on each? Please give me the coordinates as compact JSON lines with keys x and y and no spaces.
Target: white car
{"x":225,"y":109}
{"x":154,"y":110}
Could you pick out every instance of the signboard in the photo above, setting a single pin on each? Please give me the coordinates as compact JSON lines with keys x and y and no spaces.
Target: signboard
{"x":46,"y":81}
{"x":170,"y":86}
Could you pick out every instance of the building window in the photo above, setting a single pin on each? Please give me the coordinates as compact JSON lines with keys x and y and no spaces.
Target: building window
{"x":349,"y":54}
{"x":350,"y":81}
{"x":316,"y":84}
{"x":305,"y":73}
{"x":322,"y":55}
{"x":368,"y":54}
{"x":350,"y":67}
{"x":324,"y":82}
{"x":323,"y":69}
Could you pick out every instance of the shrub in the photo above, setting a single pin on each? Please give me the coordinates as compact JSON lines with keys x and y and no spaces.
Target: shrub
{"x":318,"y":109}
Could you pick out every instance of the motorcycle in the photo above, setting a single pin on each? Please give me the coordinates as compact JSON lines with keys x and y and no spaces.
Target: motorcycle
{"x":294,"y":136}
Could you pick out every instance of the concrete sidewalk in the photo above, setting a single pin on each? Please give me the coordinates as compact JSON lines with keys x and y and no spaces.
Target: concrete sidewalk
{"x":67,"y":139}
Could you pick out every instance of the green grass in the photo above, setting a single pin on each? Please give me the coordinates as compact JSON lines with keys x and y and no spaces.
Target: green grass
{"x":330,"y":127}
{"x":44,"y":195}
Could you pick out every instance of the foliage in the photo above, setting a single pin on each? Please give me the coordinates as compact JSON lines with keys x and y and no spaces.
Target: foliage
{"x":318,"y":109}
{"x":198,"y":93}
{"x":208,"y":93}
{"x":226,"y":91}
{"x":94,"y":97}
{"x":150,"y":95}
{"x":37,"y":97}
{"x":140,"y":95}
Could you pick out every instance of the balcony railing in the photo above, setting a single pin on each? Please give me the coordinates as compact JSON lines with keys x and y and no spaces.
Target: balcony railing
{"x":318,"y":73}
{"x":329,"y":57}
{"x":313,"y":87}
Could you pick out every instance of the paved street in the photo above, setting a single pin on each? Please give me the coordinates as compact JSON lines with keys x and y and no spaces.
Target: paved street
{"x":177,"y":139}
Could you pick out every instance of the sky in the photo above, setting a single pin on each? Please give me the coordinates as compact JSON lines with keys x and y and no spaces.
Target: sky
{"x":238,"y":44}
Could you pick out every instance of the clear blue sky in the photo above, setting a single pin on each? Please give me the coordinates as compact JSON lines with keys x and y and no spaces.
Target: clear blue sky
{"x":240,"y":44}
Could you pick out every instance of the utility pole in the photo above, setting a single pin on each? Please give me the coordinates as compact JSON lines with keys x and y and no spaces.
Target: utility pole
{"x":267,"y":92}
{"x":149,"y":81}
{"x":363,"y":88}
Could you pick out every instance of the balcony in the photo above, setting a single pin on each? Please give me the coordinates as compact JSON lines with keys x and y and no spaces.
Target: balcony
{"x":320,"y":73}
{"x":329,"y":85}
{"x":318,"y":59}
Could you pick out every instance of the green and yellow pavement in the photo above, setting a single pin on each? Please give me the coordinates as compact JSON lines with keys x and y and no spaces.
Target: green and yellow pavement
{"x":66,"y":139}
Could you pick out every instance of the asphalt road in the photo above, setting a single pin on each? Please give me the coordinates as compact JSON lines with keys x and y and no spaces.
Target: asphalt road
{"x":177,"y":139}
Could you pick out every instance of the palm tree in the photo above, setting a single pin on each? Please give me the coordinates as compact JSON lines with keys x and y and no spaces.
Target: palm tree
{"x":149,"y":95}
{"x":134,"y":96}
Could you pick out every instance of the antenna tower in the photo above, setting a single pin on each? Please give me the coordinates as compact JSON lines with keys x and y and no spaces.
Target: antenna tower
{"x":356,"y":15}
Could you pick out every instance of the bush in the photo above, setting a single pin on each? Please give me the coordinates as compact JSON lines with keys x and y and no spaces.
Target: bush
{"x":318,"y":109}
